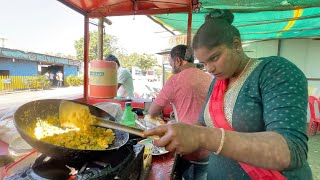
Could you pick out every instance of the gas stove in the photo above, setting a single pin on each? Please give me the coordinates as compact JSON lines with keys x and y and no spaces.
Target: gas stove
{"x":124,"y":163}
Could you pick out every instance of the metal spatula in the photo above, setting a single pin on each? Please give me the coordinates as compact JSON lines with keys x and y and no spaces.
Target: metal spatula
{"x":72,"y":114}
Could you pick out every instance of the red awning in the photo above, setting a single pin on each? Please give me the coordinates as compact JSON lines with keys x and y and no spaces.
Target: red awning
{"x":103,"y":8}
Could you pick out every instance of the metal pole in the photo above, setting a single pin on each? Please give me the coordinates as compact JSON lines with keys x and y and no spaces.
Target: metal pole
{"x":2,"y":41}
{"x":189,"y":24}
{"x":163,"y":74}
{"x":100,"y":40}
{"x":86,"y":58}
{"x":279,"y":48}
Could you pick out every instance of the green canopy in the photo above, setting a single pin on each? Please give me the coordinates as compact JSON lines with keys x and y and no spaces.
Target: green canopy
{"x":257,"y":20}
{"x":259,"y":4}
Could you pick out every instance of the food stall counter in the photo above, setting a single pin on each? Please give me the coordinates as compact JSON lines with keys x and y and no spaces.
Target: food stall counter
{"x":162,"y":166}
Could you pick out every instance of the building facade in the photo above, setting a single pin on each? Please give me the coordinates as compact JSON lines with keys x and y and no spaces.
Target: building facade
{"x":20,"y":63}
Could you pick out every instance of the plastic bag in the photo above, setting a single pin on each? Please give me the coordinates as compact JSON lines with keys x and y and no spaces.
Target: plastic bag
{"x":114,"y":109}
{"x":8,"y":131}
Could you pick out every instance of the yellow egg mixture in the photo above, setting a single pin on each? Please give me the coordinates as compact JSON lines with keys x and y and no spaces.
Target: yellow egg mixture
{"x":88,"y":138}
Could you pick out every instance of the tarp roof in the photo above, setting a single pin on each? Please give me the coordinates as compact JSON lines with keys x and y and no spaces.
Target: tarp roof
{"x":257,"y":20}
{"x":103,"y":8}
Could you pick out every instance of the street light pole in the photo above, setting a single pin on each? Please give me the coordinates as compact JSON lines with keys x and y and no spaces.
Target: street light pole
{"x":2,"y":40}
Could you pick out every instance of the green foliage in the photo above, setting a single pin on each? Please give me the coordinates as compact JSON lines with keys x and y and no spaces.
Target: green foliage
{"x":73,"y":80}
{"x":143,"y":61}
{"x":159,"y":71}
{"x":109,"y":46}
{"x":38,"y":82}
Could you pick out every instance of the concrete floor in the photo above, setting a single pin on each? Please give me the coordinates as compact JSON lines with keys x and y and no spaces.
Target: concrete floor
{"x":314,"y":155}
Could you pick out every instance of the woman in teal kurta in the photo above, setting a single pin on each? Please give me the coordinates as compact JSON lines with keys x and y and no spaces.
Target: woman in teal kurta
{"x":255,"y":118}
{"x":270,"y":96}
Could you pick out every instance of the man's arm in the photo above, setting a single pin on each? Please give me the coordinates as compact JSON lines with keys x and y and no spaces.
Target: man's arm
{"x":165,"y":96}
{"x":155,"y":109}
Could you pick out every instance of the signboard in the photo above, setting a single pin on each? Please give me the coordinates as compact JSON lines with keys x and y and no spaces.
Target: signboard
{"x":6,"y":81}
{"x":74,"y":62}
{"x":17,"y":54}
{"x":179,"y":39}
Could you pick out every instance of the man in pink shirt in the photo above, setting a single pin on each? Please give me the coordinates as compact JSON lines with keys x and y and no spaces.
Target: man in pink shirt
{"x":186,"y":90}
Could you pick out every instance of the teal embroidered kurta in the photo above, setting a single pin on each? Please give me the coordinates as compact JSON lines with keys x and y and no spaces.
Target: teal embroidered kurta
{"x":272,"y":97}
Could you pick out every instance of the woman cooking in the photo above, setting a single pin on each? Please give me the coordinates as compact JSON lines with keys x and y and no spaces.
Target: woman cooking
{"x":255,"y":115}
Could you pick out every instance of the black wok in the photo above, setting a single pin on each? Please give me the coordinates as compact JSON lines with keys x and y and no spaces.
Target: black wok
{"x":25,"y":119}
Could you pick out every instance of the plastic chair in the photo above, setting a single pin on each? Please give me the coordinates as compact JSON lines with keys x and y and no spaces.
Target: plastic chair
{"x":314,"y":121}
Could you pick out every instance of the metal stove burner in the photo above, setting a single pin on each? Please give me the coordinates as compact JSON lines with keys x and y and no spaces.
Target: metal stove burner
{"x":124,"y":163}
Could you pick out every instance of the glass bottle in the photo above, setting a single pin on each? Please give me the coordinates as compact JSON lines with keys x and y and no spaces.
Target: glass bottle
{"x":128,"y":117}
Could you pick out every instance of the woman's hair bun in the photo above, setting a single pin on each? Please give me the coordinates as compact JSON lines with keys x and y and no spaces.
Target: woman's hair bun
{"x":220,"y":14}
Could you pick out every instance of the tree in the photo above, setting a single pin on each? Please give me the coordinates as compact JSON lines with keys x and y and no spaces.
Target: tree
{"x":143,"y":61}
{"x":109,"y":45}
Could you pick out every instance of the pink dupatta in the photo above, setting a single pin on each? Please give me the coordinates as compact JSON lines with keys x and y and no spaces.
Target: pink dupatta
{"x":217,"y":115}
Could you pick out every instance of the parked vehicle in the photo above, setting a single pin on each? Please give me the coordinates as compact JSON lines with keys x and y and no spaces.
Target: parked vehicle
{"x":151,"y":75}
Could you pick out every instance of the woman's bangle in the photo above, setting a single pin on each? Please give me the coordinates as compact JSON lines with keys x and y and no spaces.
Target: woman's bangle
{"x":221,"y":142}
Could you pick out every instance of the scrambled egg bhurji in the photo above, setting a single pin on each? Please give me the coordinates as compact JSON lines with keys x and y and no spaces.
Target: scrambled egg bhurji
{"x":84,"y":137}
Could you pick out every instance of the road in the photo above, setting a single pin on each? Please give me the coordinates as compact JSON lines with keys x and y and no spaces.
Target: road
{"x":11,"y":100}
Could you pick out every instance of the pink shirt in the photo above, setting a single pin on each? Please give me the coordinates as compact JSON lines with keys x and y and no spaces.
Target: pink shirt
{"x":187,"y":90}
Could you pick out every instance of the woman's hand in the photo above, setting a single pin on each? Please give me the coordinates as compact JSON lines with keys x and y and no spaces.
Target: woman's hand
{"x":177,"y":137}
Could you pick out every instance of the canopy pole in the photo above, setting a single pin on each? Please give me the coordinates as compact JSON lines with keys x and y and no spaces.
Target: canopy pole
{"x":100,"y":40}
{"x":189,"y":24}
{"x":86,"y":58}
{"x":164,"y":27}
{"x":279,"y":47}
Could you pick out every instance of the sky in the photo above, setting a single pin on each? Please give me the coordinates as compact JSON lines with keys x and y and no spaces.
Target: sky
{"x":47,"y":26}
